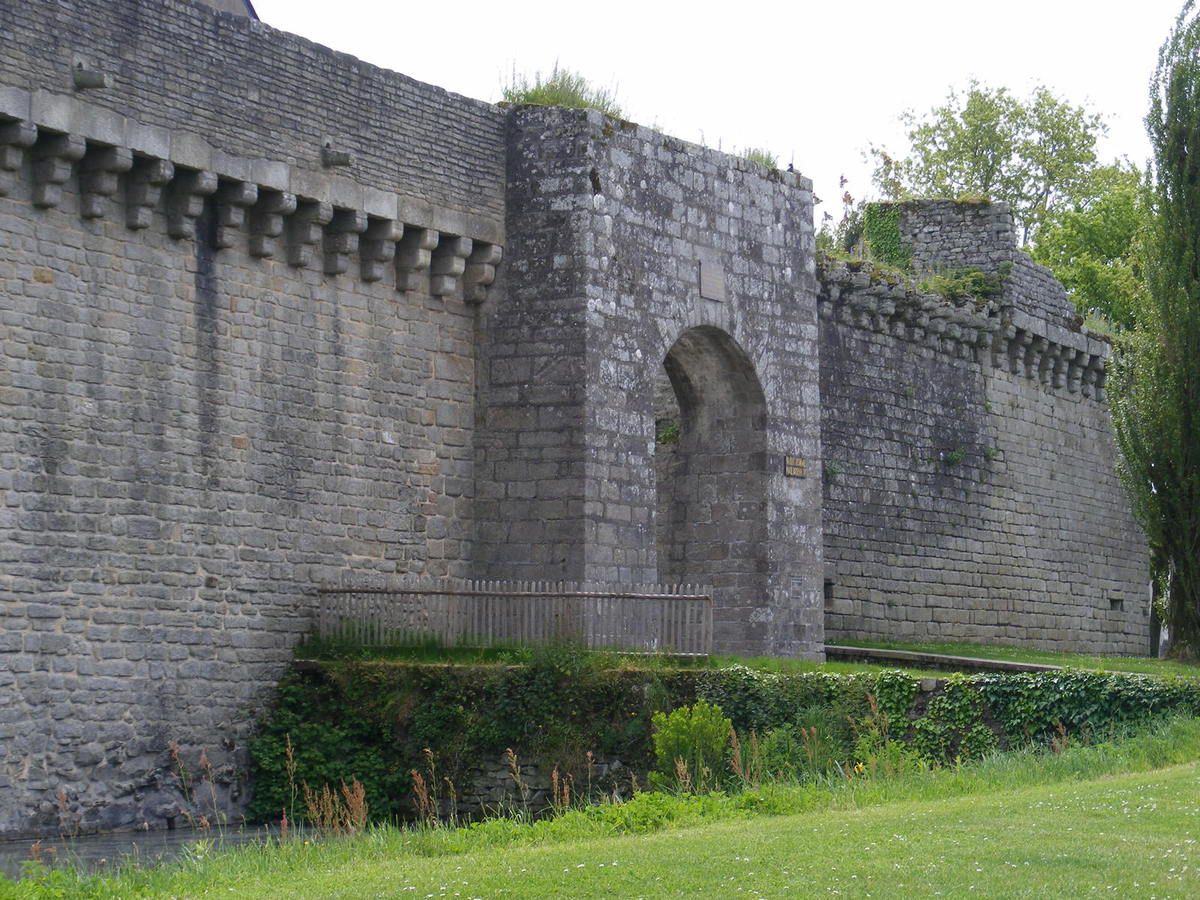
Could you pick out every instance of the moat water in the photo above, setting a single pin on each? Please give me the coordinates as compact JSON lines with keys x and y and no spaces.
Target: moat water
{"x":96,"y":852}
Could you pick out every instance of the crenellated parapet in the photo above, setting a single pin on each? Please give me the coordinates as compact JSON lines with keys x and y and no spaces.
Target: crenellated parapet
{"x":272,"y":208}
{"x":989,"y":332}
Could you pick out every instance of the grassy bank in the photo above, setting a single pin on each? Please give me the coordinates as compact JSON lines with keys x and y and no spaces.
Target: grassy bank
{"x":1139,"y":664}
{"x":1118,"y":817}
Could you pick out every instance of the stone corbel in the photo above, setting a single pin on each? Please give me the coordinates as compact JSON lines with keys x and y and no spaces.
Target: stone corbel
{"x":448,"y":263}
{"x":305,"y":229}
{"x":267,"y":219}
{"x":481,"y":271}
{"x":1049,"y":363}
{"x":99,"y":177}
{"x":234,"y":200}
{"x":1001,"y":338}
{"x":1033,"y":356}
{"x":1018,"y":347}
{"x":53,"y":158}
{"x":935,"y":328}
{"x":884,"y":311}
{"x":864,"y":307}
{"x":15,"y":139}
{"x":341,"y":239}
{"x":377,"y":247}
{"x":185,"y":201}
{"x":1091,"y":375}
{"x":1101,"y":378}
{"x":143,"y":190}
{"x":1075,"y":367}
{"x":413,"y":255}
{"x":1058,"y":377}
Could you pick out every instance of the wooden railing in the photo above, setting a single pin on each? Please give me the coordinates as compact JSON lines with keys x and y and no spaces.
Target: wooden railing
{"x":655,"y":618}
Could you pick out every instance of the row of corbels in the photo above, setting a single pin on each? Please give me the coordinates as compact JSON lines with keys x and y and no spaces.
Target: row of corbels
{"x":274,"y":223}
{"x":970,"y":330}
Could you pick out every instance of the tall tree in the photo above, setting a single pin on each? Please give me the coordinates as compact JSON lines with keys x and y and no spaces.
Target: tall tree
{"x":1156,"y":396}
{"x":1095,"y":246}
{"x":1037,"y":154}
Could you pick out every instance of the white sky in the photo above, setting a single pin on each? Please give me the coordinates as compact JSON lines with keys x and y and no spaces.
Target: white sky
{"x":815,"y":83}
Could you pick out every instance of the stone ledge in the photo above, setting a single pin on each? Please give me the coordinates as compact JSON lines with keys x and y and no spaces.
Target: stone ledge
{"x":65,"y":114}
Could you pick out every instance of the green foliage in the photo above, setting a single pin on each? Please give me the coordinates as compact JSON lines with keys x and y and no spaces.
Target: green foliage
{"x":1037,"y":154}
{"x":328,"y":747}
{"x":372,"y":721}
{"x":1156,"y":377}
{"x":696,"y":735}
{"x":1031,"y":706}
{"x":757,"y":701}
{"x":763,"y":157}
{"x":881,"y":235}
{"x":965,"y":284}
{"x":561,"y":88}
{"x":955,"y":456}
{"x":1000,"y":784}
{"x":1095,"y":247}
{"x":667,"y":431}
{"x":953,"y":726}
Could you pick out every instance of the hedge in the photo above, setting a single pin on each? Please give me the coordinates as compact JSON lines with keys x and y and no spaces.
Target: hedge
{"x":374,"y":720}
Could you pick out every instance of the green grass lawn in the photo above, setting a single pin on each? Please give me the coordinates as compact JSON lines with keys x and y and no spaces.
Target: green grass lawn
{"x":1141,"y":664}
{"x":1120,"y":818}
{"x":1128,"y":836}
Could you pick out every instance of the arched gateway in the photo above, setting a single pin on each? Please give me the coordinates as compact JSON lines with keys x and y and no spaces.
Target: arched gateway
{"x":711,"y":473}
{"x":647,"y":274}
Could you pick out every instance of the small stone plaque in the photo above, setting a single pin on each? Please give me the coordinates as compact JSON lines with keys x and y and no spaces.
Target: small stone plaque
{"x":712,"y":276}
{"x":794,"y":466}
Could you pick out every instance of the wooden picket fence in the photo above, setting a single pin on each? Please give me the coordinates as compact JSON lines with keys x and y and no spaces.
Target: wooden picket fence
{"x":655,"y":618}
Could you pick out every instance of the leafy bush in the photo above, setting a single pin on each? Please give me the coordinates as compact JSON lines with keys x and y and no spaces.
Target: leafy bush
{"x":953,"y":726}
{"x":353,"y":718}
{"x":561,"y":88}
{"x":697,"y":735}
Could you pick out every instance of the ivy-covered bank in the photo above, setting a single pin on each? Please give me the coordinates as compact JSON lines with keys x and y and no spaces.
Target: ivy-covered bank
{"x":374,"y":721}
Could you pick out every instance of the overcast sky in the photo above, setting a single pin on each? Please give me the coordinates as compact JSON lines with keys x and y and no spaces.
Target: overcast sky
{"x":815,"y":83}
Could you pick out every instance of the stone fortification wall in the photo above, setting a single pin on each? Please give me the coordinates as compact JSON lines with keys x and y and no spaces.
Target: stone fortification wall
{"x":254,"y":92}
{"x":225,"y":380}
{"x":944,"y":235}
{"x":970,"y":489}
{"x":637,"y":250}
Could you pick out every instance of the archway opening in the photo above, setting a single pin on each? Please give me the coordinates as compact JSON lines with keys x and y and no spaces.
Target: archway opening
{"x":711,"y":475}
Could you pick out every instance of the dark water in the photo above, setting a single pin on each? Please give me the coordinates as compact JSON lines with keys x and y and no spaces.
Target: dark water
{"x":100,"y":851}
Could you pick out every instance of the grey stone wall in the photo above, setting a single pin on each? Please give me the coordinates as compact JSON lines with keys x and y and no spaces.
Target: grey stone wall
{"x":255,"y":92}
{"x":603,"y":280}
{"x":190,"y":441}
{"x":225,"y":380}
{"x":945,"y":235}
{"x":970,"y":485}
{"x":252,"y":344}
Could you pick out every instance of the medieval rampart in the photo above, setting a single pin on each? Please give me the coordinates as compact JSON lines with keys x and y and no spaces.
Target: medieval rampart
{"x":970,"y":484}
{"x":258,"y":337}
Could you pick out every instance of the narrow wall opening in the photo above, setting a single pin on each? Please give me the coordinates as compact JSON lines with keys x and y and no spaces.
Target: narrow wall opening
{"x":710,"y":467}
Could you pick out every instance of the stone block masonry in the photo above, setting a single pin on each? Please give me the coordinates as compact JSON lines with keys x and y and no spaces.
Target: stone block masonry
{"x":273,"y":319}
{"x":613,"y":230}
{"x":970,"y":488}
